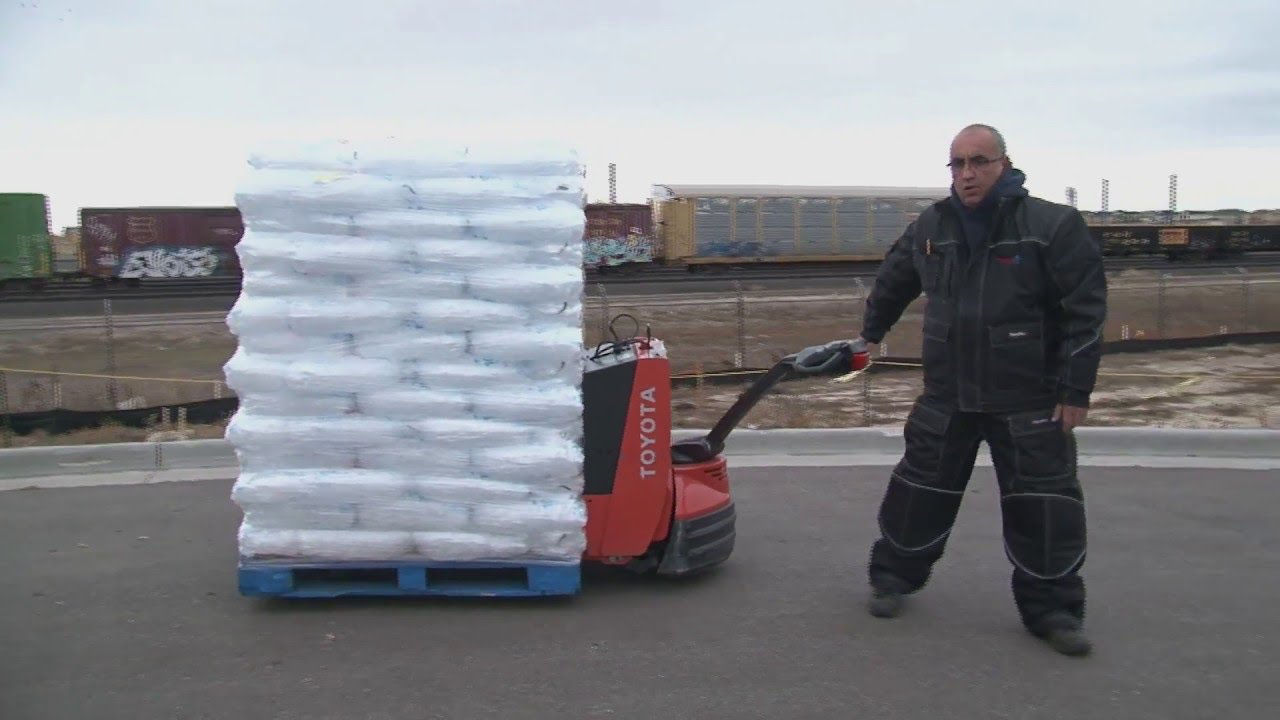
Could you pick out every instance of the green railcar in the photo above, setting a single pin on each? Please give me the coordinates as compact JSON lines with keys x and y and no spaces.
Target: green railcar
{"x":25,"y":251}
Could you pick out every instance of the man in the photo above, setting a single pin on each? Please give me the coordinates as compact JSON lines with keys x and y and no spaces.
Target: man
{"x":1012,"y":328}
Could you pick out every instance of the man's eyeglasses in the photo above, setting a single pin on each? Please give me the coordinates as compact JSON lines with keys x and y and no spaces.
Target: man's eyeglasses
{"x":976,"y":162}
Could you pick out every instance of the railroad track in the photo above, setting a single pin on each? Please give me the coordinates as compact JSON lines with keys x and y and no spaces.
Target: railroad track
{"x":80,"y":289}
{"x":161,"y":288}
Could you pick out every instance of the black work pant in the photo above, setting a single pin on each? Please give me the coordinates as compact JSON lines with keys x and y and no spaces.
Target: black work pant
{"x":1041,"y":502}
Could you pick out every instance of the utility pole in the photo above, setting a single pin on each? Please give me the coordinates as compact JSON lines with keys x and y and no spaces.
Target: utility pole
{"x":613,"y":183}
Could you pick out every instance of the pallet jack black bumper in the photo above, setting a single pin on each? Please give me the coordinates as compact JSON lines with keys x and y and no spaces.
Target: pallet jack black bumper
{"x":699,"y":543}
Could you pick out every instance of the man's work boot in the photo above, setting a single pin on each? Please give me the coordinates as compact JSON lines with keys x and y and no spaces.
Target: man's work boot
{"x":1069,"y":641}
{"x":885,"y":603}
{"x":1063,"y":633}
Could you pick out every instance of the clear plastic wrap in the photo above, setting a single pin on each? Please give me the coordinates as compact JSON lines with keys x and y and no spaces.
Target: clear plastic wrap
{"x":410,"y":355}
{"x":391,"y":156}
{"x":335,"y":316}
{"x":550,"y":230}
{"x":267,"y":189}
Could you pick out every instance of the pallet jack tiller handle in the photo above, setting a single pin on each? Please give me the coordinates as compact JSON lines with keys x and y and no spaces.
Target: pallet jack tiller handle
{"x":841,"y":355}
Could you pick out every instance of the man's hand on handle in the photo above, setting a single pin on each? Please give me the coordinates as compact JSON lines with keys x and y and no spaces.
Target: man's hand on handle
{"x":1070,"y":415}
{"x":840,"y":356}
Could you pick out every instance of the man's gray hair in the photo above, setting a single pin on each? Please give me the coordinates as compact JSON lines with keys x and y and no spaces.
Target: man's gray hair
{"x":994,"y":133}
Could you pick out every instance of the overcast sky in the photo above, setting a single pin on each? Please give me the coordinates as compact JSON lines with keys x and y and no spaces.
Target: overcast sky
{"x":159,"y":103}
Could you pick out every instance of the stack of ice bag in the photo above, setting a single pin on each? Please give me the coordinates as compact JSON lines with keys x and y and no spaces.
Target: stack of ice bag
{"x":410,"y":355}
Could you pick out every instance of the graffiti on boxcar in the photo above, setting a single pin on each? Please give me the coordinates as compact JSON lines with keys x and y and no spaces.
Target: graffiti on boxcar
{"x":141,"y":229}
{"x":99,"y":230}
{"x":170,"y":262}
{"x":634,"y":247}
{"x":104,"y":237}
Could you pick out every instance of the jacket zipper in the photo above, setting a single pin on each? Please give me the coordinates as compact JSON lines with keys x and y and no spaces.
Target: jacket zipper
{"x":984,"y":342}
{"x":962,"y":284}
{"x":961,"y":351}
{"x":977,"y":345}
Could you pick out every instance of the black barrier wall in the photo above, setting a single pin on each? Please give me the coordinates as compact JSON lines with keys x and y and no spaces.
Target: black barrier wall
{"x":60,"y":421}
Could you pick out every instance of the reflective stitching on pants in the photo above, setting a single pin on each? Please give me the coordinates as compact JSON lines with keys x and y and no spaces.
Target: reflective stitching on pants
{"x":1096,"y":335}
{"x":1043,"y":495}
{"x":945,"y":442}
{"x":898,"y":476}
{"x":885,"y":533}
{"x":1014,"y":558}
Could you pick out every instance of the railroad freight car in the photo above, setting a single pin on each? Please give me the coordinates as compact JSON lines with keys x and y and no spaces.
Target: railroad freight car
{"x":1251,"y":238}
{"x":753,"y":224}
{"x":155,"y":242}
{"x":1189,"y":241}
{"x":618,"y":235}
{"x":25,"y":255}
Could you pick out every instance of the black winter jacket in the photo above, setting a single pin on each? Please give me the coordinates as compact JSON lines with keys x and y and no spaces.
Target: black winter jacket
{"x":1018,"y":325}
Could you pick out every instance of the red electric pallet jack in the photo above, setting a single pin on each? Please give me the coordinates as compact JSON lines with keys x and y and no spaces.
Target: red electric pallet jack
{"x":655,"y":506}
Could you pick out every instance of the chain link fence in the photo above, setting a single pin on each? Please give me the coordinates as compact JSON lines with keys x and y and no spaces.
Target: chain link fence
{"x":753,"y":330}
{"x":129,"y":363}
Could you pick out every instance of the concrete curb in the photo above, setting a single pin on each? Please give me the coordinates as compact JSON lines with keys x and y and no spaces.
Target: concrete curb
{"x":133,"y":463}
{"x":1115,"y":442}
{"x":116,"y":458}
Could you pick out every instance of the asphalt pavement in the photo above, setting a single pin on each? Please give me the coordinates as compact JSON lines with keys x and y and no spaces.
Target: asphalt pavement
{"x":120,"y":602}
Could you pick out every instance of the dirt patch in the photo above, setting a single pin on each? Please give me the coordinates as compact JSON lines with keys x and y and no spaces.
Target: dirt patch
{"x":155,"y":354}
{"x":1230,"y":386}
{"x":761,"y":328}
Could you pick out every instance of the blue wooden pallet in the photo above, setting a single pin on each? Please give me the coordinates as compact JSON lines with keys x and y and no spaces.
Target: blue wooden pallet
{"x":458,"y":579}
